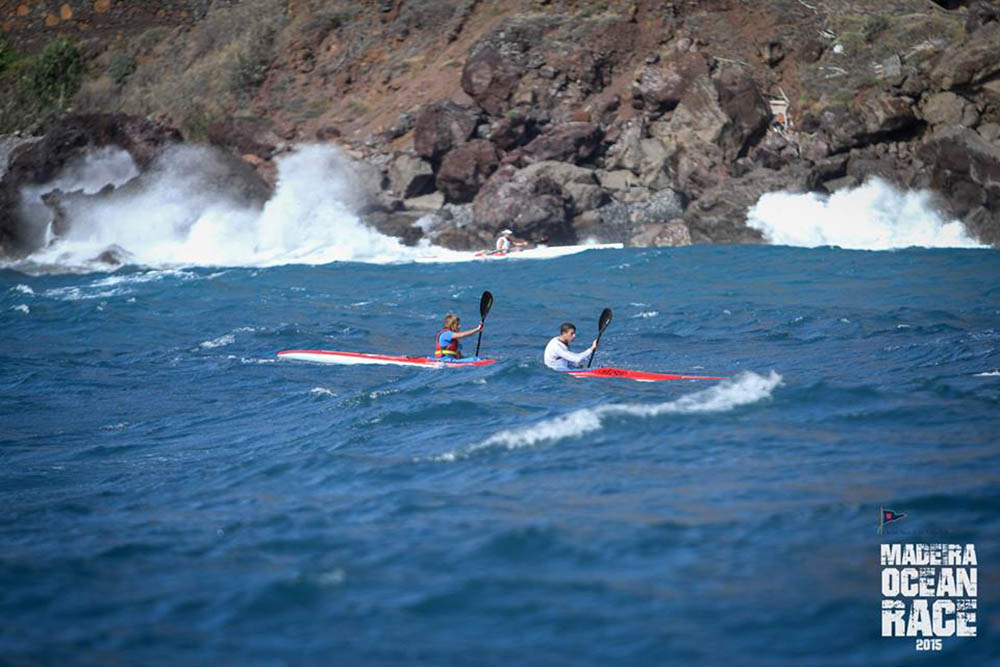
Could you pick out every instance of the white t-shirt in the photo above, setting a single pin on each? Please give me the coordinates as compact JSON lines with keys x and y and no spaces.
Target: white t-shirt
{"x":503,"y":244}
{"x":558,"y":357}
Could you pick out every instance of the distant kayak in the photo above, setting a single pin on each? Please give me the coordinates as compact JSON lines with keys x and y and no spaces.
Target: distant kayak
{"x":638,"y":376}
{"x":355,"y":358}
{"x":545,"y":252}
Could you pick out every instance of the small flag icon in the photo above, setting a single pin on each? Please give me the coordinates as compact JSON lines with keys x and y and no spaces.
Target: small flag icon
{"x":888,"y":516}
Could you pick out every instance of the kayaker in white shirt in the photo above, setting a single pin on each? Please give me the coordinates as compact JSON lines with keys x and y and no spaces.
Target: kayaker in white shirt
{"x":557,"y":355}
{"x":506,"y":240}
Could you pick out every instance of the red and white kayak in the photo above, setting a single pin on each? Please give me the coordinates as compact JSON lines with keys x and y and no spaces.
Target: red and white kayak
{"x":354,"y":358}
{"x":638,"y":376}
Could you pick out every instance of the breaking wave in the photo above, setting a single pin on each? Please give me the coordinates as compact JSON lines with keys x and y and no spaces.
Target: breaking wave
{"x":174,"y":219}
{"x":743,"y":389}
{"x":873,"y":216}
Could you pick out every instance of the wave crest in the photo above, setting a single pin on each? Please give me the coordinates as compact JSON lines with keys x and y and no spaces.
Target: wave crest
{"x":874,"y":216}
{"x":744,"y":389}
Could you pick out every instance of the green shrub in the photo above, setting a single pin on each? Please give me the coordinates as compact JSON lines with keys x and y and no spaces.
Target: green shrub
{"x":8,"y":58}
{"x":56,"y":74}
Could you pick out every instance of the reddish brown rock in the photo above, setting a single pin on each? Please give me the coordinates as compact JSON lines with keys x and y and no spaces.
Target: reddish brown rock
{"x":569,"y":142}
{"x":464,"y":170}
{"x":440,"y":127}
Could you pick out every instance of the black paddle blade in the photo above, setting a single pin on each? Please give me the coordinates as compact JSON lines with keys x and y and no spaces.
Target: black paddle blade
{"x":485,"y":303}
{"x":604,"y":321}
{"x":602,"y":324}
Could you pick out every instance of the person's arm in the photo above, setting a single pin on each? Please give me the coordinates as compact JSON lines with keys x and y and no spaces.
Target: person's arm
{"x":576,"y":358}
{"x":463,"y":334}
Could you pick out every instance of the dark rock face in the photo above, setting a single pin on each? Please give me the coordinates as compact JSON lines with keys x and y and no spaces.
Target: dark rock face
{"x":632,"y":121}
{"x":965,"y":170}
{"x":464,"y":170}
{"x":749,"y":115}
{"x":661,"y":87}
{"x":980,"y":13}
{"x":496,"y":64}
{"x":513,"y":130}
{"x":971,"y":63}
{"x":532,"y":208}
{"x":720,"y":214}
{"x":410,"y":176}
{"x":243,"y":136}
{"x":440,"y":127}
{"x":71,"y":138}
{"x":571,"y":142}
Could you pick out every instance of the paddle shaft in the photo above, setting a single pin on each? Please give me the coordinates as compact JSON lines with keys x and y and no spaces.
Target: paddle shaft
{"x":485,"y":303}
{"x":602,"y":325}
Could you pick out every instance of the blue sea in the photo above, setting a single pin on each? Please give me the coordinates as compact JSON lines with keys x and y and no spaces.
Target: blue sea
{"x":173,"y":493}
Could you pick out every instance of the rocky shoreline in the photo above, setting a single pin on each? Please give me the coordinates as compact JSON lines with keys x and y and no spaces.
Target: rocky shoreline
{"x":630,"y":126}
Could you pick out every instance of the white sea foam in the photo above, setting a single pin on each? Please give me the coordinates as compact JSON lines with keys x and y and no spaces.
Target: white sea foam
{"x":873,"y":216}
{"x":23,"y":289}
{"x":988,"y":374}
{"x":221,"y":341}
{"x":322,"y":391}
{"x":21,"y":307}
{"x":175,"y":219}
{"x":111,"y":286}
{"x":646,"y":314}
{"x":744,"y":389}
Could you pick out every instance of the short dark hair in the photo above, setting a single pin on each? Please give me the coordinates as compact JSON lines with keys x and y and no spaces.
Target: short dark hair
{"x":566,"y":326}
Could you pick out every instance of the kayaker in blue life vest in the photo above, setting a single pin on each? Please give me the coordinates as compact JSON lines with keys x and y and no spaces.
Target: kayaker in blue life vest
{"x":557,"y":355}
{"x":446,"y":343}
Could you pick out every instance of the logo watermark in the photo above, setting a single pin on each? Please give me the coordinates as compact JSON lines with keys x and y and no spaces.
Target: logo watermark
{"x":929,"y":591}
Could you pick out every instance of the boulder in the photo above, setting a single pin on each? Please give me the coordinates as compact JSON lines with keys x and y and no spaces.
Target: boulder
{"x":244,"y":136}
{"x":979,"y":14}
{"x":947,"y":108}
{"x":440,"y":127}
{"x":748,"y":113}
{"x":661,"y":86}
{"x":532,"y":207}
{"x":698,"y":119}
{"x":626,"y":151}
{"x":972,"y":62}
{"x":513,"y":130}
{"x":496,"y":64}
{"x":872,"y":118}
{"x":569,"y":142}
{"x":577,"y":183}
{"x":464,"y":170}
{"x":965,"y":170}
{"x":410,"y":176}
{"x":399,"y":224}
{"x":728,"y":112}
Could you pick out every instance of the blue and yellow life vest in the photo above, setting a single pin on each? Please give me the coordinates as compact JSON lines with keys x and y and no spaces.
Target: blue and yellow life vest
{"x":450,"y":351}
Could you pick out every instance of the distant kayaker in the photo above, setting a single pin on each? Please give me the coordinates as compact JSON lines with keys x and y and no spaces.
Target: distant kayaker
{"x":446,"y":343}
{"x":506,"y":240}
{"x":557,"y":354}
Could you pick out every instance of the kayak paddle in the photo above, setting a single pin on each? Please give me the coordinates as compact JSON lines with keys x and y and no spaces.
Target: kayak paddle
{"x":485,"y":303}
{"x":601,"y":326}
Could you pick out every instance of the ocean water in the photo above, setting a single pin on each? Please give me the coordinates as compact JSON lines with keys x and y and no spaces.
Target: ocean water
{"x":175,"y":494}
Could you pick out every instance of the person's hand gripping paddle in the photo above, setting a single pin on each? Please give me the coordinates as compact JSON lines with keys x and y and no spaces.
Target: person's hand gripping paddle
{"x":602,"y":325}
{"x":485,"y":303}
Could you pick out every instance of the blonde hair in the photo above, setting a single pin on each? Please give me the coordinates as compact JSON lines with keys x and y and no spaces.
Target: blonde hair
{"x":451,"y":321}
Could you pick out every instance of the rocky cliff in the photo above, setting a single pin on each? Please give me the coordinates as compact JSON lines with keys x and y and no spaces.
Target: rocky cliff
{"x":652,"y":123}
